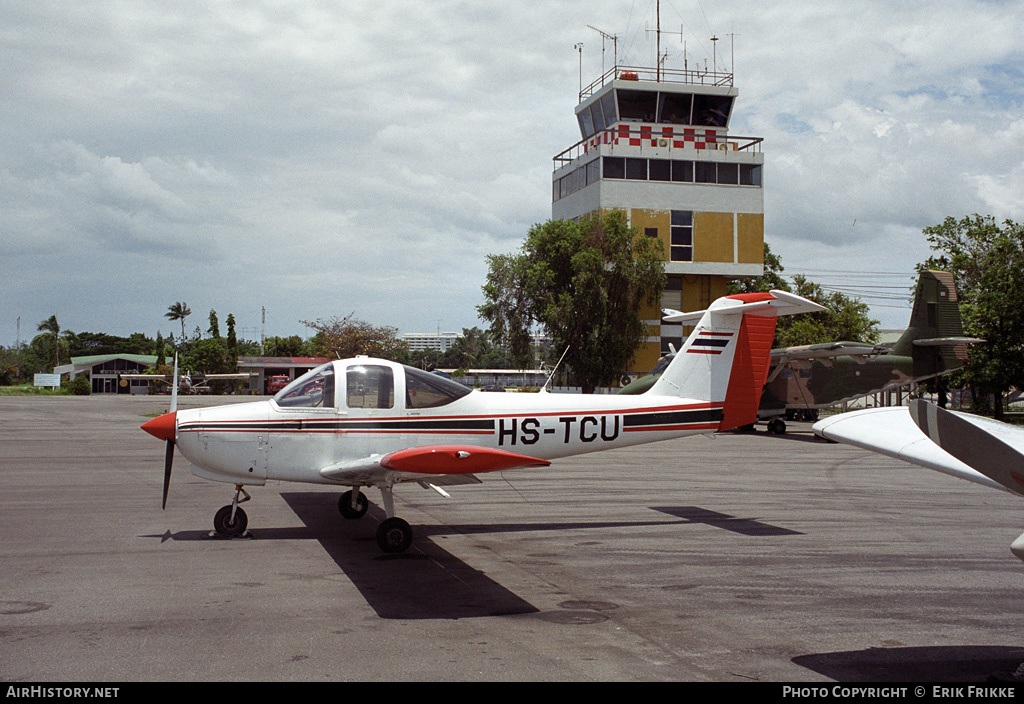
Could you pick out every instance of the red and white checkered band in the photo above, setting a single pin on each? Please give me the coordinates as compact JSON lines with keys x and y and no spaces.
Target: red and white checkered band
{"x":685,"y":137}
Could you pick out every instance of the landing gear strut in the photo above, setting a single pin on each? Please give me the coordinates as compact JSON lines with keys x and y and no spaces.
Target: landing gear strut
{"x":230,"y":520}
{"x":394,"y":535}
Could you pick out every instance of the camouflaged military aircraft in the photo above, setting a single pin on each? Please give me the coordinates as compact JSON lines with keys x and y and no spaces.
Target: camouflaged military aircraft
{"x":810,"y":377}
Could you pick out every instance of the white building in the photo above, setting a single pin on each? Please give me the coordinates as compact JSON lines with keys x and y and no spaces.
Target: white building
{"x":440,"y":341}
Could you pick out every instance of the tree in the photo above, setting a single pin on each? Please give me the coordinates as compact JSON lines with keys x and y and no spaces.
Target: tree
{"x":232,"y":344}
{"x":845,"y":318}
{"x":771,"y":278}
{"x":349,"y":336}
{"x":214,"y":328}
{"x":584,"y":282}
{"x":987,"y":263}
{"x":158,"y":349}
{"x":50,"y":325}
{"x":178,"y":311}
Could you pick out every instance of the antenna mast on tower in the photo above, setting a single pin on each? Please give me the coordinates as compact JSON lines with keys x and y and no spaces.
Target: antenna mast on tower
{"x":615,"y":46}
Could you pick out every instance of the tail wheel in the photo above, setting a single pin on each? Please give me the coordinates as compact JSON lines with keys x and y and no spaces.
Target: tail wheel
{"x":224,"y":525}
{"x":394,"y":535}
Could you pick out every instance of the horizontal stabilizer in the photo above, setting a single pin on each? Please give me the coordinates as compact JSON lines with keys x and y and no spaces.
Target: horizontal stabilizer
{"x":939,"y":341}
{"x":773,"y":304}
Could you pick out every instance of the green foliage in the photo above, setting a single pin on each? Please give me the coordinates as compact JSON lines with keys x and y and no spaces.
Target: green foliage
{"x":347,"y":337}
{"x":770,"y":279}
{"x":987,"y":263}
{"x":845,"y":320}
{"x":178,"y":311}
{"x":232,"y":345}
{"x":79,"y":386}
{"x":584,"y":282}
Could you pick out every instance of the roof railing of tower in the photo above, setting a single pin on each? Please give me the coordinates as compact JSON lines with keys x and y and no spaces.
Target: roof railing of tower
{"x":658,"y":75}
{"x":655,"y":137}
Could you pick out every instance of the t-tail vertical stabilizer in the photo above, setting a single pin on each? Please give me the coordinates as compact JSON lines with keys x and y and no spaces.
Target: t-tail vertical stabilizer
{"x":935,"y":337}
{"x":726,"y":358}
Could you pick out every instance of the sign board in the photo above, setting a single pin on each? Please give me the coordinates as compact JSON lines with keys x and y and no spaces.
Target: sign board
{"x":46,"y":380}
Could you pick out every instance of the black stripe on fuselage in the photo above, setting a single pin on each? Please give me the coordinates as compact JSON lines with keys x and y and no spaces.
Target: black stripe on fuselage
{"x":702,"y":415}
{"x":462,"y":425}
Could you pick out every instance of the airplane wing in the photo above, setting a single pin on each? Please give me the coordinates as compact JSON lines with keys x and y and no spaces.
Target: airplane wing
{"x":166,"y":378}
{"x":241,"y":376}
{"x":891,"y":431}
{"x":992,"y":448}
{"x":827,"y":350}
{"x":440,"y":464}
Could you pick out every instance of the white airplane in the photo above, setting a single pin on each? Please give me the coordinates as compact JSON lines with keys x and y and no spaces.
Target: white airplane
{"x":374,"y":423}
{"x":970,"y":447}
{"x":189,"y":383}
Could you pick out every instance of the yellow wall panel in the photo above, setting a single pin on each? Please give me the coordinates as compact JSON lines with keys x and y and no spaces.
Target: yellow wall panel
{"x":660,"y":219}
{"x":713,"y":237}
{"x":750,"y":238}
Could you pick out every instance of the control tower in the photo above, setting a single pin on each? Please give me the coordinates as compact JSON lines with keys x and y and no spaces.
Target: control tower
{"x":656,"y":145}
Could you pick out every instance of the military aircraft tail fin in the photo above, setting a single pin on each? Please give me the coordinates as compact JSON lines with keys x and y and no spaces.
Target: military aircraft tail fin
{"x":935,"y":337}
{"x":726,"y":358}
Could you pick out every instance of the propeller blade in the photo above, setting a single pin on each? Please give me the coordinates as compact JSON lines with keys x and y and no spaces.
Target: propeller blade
{"x":168,"y":459}
{"x":174,"y":386}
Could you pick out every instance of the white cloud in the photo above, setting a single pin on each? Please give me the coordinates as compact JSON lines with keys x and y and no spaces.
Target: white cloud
{"x":323,"y":158}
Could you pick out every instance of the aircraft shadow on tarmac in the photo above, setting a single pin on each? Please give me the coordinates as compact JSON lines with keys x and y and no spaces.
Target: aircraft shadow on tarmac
{"x":965,"y":663}
{"x":428,"y":582}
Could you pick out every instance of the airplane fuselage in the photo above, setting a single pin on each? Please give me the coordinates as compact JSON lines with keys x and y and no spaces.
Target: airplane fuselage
{"x":255,"y":442}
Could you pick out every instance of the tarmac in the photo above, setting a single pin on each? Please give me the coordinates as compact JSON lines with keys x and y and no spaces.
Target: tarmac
{"x":741,"y":557}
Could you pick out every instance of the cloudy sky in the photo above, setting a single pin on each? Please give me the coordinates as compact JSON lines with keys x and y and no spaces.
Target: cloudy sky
{"x":317,"y":158}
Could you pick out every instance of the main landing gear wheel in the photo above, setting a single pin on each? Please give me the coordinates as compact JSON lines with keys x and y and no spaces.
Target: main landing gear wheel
{"x":225,"y":525}
{"x":347,"y":510}
{"x":777,"y":426}
{"x":394,"y":535}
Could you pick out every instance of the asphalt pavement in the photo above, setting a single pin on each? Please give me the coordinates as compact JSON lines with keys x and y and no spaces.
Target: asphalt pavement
{"x":741,"y":557}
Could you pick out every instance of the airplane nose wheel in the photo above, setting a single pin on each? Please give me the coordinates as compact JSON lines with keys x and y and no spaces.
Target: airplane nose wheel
{"x":394,"y":535}
{"x":230,"y":520}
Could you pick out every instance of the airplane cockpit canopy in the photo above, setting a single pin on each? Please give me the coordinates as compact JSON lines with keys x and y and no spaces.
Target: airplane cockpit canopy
{"x":369,"y":385}
{"x":425,"y":390}
{"x":314,"y":389}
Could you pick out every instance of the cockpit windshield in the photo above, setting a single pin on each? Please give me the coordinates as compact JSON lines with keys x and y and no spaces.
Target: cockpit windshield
{"x":314,"y":389}
{"x":426,"y":390}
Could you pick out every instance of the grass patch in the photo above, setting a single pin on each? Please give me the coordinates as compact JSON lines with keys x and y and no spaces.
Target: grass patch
{"x":29,"y":390}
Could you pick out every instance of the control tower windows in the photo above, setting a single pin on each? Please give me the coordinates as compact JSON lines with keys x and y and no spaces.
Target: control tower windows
{"x":659,"y":170}
{"x":675,"y":108}
{"x":614,"y":167}
{"x":729,"y":174}
{"x":637,"y":105}
{"x":705,"y":172}
{"x":750,"y":174}
{"x":636,"y":169}
{"x":586,"y":123}
{"x":711,"y":110}
{"x":681,"y":244}
{"x":682,"y":171}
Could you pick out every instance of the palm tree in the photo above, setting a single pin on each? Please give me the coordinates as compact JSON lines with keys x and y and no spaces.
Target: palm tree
{"x":179,"y":311}
{"x":51,"y":325}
